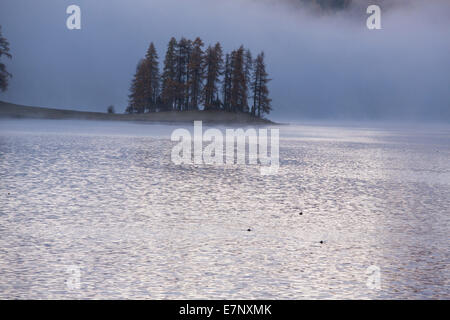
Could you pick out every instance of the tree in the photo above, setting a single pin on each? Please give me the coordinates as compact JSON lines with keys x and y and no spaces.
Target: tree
{"x":183,"y":53}
{"x":111,"y":109}
{"x":137,"y":96}
{"x":226,"y":84}
{"x":248,"y":68}
{"x":261,"y":101}
{"x":195,"y":73}
{"x":151,"y":78}
{"x":214,"y":69}
{"x":238,"y":96}
{"x":4,"y":50}
{"x":144,"y":90}
{"x":168,"y":90}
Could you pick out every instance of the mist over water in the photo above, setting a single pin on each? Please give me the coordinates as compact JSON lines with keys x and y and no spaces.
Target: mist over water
{"x":324,"y":65}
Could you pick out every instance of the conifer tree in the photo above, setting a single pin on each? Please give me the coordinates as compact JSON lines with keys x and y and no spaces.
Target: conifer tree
{"x":169,"y":83}
{"x":213,"y":67}
{"x":226,"y":84}
{"x":137,"y":97}
{"x":238,"y":97}
{"x":261,"y":100}
{"x":248,"y":68}
{"x":151,"y":78}
{"x":183,"y":53}
{"x":195,"y":73}
{"x":4,"y":51}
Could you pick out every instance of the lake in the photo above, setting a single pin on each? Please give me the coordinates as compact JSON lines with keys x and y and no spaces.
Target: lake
{"x":98,"y":210}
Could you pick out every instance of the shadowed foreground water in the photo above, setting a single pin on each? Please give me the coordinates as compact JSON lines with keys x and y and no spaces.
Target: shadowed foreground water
{"x":105,"y":198}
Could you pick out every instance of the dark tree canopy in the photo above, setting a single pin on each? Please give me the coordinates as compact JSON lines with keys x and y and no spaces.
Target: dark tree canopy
{"x":193,"y":77}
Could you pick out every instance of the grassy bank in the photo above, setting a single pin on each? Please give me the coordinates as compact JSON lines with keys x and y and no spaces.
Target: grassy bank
{"x":9,"y":110}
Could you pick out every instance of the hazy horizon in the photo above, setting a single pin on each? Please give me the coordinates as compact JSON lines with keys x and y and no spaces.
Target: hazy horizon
{"x":323,"y":66}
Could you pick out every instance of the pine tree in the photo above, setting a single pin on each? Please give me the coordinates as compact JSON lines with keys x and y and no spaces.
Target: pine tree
{"x":4,"y":50}
{"x":213,"y":67}
{"x":169,"y":83}
{"x":195,"y":73}
{"x":261,"y":101}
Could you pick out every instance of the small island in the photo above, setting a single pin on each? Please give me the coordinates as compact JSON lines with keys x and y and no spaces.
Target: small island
{"x":14,"y":111}
{"x":194,"y":79}
{"x":195,"y":84}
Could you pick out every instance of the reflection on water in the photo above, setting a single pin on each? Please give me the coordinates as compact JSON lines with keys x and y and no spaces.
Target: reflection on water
{"x":105,"y":197}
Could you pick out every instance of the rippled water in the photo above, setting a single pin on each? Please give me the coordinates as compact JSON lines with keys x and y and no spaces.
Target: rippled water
{"x":105,"y":198}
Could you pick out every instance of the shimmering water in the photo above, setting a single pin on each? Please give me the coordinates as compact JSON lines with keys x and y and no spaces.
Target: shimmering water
{"x":105,"y":198}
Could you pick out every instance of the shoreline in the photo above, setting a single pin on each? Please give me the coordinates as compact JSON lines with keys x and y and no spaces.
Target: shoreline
{"x":15,"y":111}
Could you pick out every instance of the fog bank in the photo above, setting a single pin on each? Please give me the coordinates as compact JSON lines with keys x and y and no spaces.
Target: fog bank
{"x":323,"y":65}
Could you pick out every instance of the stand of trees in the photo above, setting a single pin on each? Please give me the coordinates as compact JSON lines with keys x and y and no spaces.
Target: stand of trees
{"x":193,"y":77}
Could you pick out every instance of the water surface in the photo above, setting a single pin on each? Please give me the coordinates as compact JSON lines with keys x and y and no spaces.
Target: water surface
{"x":104,"y":197}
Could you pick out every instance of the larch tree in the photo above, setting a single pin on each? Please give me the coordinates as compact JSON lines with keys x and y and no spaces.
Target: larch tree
{"x":152,"y":78}
{"x":238,"y":96}
{"x":169,"y":81}
{"x":195,"y":73}
{"x":226,"y":84}
{"x":183,"y":53}
{"x":137,"y":96}
{"x":144,"y":90}
{"x":213,"y":70}
{"x":261,"y":100}
{"x":4,"y":51}
{"x":248,"y":68}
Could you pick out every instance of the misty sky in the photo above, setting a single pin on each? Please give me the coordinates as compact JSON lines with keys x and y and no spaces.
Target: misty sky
{"x":323,"y":66}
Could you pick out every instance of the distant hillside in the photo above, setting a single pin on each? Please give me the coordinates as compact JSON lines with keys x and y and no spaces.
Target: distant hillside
{"x":338,"y":5}
{"x":9,"y":110}
{"x":329,"y":4}
{"x":321,"y":4}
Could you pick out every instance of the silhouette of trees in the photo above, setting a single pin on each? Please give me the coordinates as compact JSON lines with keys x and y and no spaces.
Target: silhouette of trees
{"x":193,"y":77}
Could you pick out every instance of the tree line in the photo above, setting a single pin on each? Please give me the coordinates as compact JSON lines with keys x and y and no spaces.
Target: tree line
{"x":193,"y":77}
